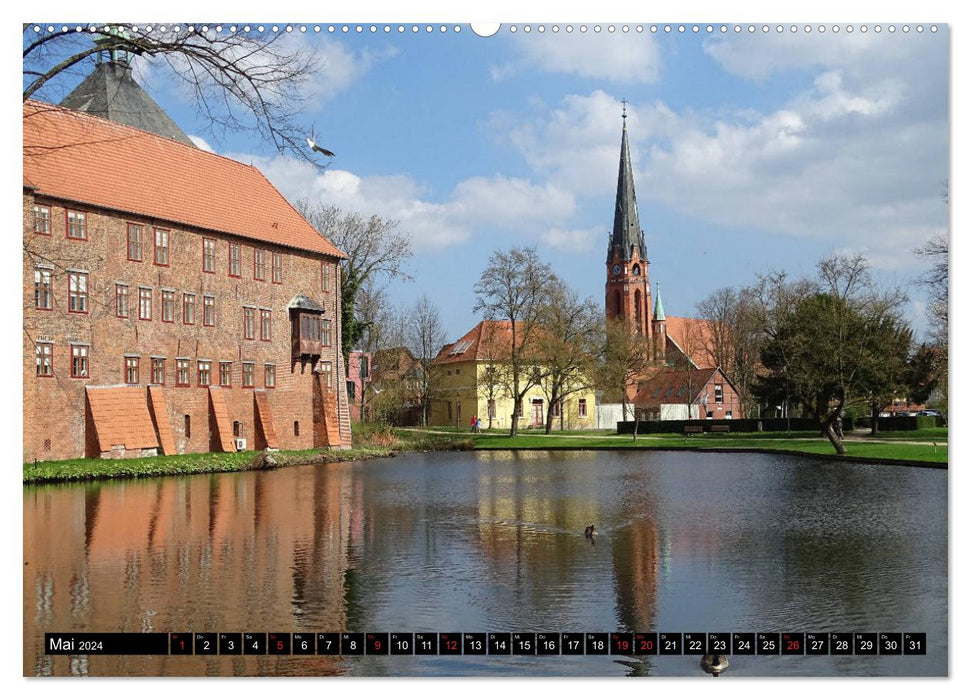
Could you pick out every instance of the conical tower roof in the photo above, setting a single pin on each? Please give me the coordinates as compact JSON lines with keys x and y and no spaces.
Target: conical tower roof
{"x":627,"y":234}
{"x":658,"y":306}
{"x":111,"y":92}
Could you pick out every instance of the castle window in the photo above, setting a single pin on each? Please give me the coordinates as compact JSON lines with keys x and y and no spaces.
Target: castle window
{"x":325,"y":276}
{"x":208,"y":311}
{"x":168,"y":306}
{"x":182,"y":372}
{"x":79,"y":361}
{"x":135,"y":242}
{"x":325,"y":339}
{"x":161,"y":247}
{"x":208,"y":254}
{"x":188,"y":426}
{"x":266,"y":324}
{"x":718,"y":393}
{"x":76,"y":225}
{"x":269,"y":376}
{"x":188,"y":309}
{"x":249,"y":322}
{"x":247,"y":375}
{"x":296,"y":428}
{"x":205,"y":373}
{"x":259,"y":264}
{"x":131,"y":370}
{"x":277,"y":268}
{"x":121,"y":300}
{"x":77,"y":292}
{"x":42,"y":288}
{"x":234,"y":260}
{"x":225,"y":374}
{"x":45,"y":359}
{"x":42,"y":219}
{"x":582,"y":408}
{"x":327,"y":369}
{"x":158,"y":370}
{"x":144,"y":303}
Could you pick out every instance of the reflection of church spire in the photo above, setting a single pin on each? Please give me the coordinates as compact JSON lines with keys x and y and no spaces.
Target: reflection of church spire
{"x":627,"y":234}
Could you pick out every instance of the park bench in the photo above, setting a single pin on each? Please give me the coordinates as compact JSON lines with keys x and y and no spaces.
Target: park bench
{"x":693,"y":429}
{"x":721,"y":428}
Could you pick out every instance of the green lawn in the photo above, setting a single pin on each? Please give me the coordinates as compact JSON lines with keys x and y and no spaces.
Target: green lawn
{"x":807,"y":443}
{"x":86,"y":469}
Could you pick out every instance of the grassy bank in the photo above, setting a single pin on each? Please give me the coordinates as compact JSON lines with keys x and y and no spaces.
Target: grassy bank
{"x":370,"y":441}
{"x":898,"y":447}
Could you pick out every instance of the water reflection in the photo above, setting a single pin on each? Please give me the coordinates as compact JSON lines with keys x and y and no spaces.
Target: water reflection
{"x":493,"y":542}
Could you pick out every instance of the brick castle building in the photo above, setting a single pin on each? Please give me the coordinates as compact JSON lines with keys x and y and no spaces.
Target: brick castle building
{"x":174,"y":301}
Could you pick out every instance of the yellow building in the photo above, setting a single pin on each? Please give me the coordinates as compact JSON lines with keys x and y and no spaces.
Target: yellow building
{"x":474,"y":380}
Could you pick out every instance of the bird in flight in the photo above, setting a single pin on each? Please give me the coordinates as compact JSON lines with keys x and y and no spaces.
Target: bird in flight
{"x":314,"y":146}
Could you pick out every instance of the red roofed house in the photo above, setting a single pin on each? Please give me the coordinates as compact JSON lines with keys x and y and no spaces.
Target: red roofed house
{"x":174,"y":301}
{"x":688,"y":393}
{"x":476,"y":383}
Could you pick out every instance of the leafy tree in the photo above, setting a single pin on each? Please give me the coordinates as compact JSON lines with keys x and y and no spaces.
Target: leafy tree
{"x":512,"y":288}
{"x":824,"y":338}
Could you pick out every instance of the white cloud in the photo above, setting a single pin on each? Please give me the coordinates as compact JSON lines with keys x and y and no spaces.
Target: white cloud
{"x":200,"y":143}
{"x":573,"y":240}
{"x":619,"y":58}
{"x":478,"y":204}
{"x":855,"y":157}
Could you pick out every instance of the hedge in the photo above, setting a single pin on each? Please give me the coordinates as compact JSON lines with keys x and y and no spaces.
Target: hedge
{"x":738,"y":425}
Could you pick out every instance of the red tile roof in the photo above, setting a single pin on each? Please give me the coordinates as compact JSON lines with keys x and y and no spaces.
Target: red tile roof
{"x":693,"y":336}
{"x":671,"y":387}
{"x":86,"y":159}
{"x":489,"y":340}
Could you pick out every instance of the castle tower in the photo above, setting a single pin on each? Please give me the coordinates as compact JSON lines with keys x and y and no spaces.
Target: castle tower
{"x":628,"y":291}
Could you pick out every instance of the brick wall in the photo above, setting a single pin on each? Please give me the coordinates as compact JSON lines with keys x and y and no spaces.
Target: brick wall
{"x":55,"y":424}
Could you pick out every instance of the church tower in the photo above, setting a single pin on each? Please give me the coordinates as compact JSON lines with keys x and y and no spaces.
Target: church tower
{"x":628,"y":291}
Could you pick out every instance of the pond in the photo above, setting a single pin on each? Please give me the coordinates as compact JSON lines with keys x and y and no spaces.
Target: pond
{"x":494,"y":542}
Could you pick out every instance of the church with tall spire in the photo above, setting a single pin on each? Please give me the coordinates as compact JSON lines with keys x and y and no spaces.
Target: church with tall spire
{"x":628,"y":289}
{"x":675,"y":342}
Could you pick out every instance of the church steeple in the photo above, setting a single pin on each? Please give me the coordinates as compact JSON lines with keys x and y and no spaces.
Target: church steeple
{"x":628,"y":291}
{"x":627,"y":234}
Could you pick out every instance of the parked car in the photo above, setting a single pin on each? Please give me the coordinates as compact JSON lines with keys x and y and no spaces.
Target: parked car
{"x":929,"y":412}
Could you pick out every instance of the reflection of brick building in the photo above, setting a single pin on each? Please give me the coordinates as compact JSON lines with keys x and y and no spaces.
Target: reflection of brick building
{"x":174,"y":301}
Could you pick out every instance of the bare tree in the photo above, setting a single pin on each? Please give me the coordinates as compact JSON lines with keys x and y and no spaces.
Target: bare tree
{"x":734,"y":337}
{"x":239,"y":80}
{"x":626,"y":357}
{"x":376,"y":252}
{"x":512,"y":288}
{"x":491,"y":380}
{"x":425,"y":337}
{"x":571,"y":331}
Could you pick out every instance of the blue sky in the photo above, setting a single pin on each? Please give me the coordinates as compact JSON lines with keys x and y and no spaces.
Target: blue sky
{"x":752,"y":150}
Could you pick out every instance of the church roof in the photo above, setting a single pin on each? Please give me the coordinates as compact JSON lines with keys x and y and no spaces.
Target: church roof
{"x":93,"y":161}
{"x":111,"y":92}
{"x":693,"y":337}
{"x":627,"y":234}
